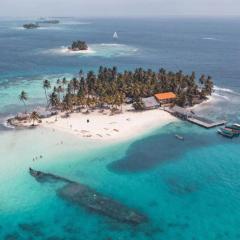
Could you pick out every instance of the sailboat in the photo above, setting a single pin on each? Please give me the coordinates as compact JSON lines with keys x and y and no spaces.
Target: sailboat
{"x":115,"y":35}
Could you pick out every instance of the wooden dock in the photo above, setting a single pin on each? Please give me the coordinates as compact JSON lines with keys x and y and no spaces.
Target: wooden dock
{"x":185,"y":114}
{"x":204,"y":122}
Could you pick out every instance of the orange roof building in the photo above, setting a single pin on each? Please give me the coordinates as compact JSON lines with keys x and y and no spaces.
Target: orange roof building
{"x":162,"y":97}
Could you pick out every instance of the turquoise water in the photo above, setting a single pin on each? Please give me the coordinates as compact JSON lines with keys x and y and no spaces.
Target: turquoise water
{"x":188,"y":190}
{"x":192,"y":195}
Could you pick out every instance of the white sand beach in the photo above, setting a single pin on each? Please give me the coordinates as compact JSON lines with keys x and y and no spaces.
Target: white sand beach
{"x":106,"y":127}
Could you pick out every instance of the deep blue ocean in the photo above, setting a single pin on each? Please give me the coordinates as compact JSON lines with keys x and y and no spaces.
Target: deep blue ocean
{"x":189,"y":190}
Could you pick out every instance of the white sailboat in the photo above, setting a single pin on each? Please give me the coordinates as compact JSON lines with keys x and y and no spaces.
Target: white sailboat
{"x":115,"y":35}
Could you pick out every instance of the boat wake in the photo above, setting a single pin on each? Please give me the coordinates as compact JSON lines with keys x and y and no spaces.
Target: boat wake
{"x":100,"y":50}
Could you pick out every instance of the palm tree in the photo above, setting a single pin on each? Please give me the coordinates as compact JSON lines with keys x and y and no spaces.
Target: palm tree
{"x":23,"y":97}
{"x":34,"y":117}
{"x":53,"y":99}
{"x":108,"y":87}
{"x":46,"y":85}
{"x":208,"y":85}
{"x":64,"y":82}
{"x":59,"y":91}
{"x":80,"y":74}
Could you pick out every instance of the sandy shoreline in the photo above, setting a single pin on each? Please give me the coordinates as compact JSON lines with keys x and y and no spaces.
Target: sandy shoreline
{"x":103,"y":126}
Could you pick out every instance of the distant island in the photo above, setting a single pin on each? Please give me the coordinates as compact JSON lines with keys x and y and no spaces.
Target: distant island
{"x":48,"y":22}
{"x":78,"y":46}
{"x":31,"y":26}
{"x":37,"y":24}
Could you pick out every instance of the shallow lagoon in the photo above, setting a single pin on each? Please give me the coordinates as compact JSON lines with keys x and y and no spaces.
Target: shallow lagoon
{"x":188,"y":196}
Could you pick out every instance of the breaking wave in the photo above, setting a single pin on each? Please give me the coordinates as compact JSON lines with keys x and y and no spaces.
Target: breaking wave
{"x":99,"y":50}
{"x":220,"y":96}
{"x":209,"y":38}
{"x":75,"y":23}
{"x":40,"y":28}
{"x":66,"y":52}
{"x":216,"y":88}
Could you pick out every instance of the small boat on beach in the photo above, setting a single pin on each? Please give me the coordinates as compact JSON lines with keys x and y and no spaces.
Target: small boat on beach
{"x":179,"y":137}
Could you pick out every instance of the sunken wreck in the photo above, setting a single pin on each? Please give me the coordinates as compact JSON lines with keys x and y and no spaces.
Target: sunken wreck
{"x":86,"y":197}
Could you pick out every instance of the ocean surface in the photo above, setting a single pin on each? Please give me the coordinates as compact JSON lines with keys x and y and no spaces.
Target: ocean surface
{"x":188,"y":190}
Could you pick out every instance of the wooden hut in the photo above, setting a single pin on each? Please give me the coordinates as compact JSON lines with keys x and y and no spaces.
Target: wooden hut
{"x":166,"y":98}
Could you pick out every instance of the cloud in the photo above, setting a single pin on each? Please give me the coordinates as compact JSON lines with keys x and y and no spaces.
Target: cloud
{"x":124,"y":8}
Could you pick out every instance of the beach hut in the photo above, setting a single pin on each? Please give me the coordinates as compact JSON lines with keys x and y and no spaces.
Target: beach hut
{"x":150,"y":103}
{"x":166,"y":98}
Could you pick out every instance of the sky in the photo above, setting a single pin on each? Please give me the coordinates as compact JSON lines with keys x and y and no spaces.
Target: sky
{"x":119,"y":8}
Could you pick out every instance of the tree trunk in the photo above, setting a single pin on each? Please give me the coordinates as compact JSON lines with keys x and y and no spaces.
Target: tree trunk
{"x":25,"y":106}
{"x":46,"y":96}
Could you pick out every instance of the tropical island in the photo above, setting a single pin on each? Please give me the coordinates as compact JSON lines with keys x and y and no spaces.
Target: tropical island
{"x":37,"y":24}
{"x":31,"y":26}
{"x":78,"y":46}
{"x":111,"y":104}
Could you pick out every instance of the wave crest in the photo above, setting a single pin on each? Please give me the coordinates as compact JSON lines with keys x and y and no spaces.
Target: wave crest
{"x":210,"y":38}
{"x":227,"y":90}
{"x":99,"y":50}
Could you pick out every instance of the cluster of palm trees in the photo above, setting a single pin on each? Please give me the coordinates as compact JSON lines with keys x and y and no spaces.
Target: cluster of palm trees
{"x":79,"y":45}
{"x":110,"y":88}
{"x":34,"y":117}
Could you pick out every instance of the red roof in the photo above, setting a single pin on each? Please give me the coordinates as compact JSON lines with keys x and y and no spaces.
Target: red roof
{"x":165,"y":96}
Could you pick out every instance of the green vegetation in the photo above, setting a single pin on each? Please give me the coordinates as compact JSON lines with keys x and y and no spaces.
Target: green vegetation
{"x":109,"y":88}
{"x":23,"y":97}
{"x":46,"y":86}
{"x":78,"y":46}
{"x":34,"y":117}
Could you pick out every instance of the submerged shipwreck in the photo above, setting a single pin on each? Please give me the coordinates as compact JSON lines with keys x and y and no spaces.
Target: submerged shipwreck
{"x":90,"y":199}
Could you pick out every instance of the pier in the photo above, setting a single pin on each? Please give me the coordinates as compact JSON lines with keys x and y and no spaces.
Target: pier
{"x":204,"y":122}
{"x":187,"y":115}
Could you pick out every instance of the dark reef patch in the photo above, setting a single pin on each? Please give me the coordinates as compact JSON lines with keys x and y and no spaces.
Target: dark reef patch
{"x":32,"y":228}
{"x":178,"y":225}
{"x":13,"y":236}
{"x":180,"y":187}
{"x":149,"y":152}
{"x":54,"y":238}
{"x":70,"y":228}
